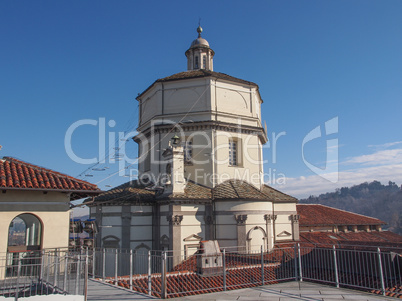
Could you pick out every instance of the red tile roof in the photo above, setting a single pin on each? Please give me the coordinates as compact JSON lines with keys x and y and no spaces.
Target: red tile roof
{"x":17,"y":174}
{"x":360,"y":239}
{"x":320,"y":215}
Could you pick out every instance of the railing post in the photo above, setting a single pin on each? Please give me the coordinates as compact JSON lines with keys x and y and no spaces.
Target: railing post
{"x":65,"y":272}
{"x":163,"y":276}
{"x":149,"y":274}
{"x":131,"y":269}
{"x":262,"y":266}
{"x":42,"y":266}
{"x":381,"y":272}
{"x":103,"y":264}
{"x":18,"y":277}
{"x":295,"y":262}
{"x":56,"y":268}
{"x":116,"y":262}
{"x":93,"y":263}
{"x":47,"y":270}
{"x":224,"y":269}
{"x":300,"y":263}
{"x":86,"y":277}
{"x":77,"y":279}
{"x":335,"y":266}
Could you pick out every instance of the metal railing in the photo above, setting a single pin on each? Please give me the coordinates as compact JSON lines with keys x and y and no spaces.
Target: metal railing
{"x":30,"y":273}
{"x":164,"y":275}
{"x":370,"y":270}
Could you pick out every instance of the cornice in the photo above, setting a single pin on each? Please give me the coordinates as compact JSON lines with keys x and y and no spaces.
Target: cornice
{"x":202,"y":126}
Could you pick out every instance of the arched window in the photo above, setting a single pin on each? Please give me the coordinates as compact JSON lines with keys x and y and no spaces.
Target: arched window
{"x":24,"y":233}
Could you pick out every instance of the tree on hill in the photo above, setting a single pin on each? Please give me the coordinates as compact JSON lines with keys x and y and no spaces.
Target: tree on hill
{"x":372,"y":199}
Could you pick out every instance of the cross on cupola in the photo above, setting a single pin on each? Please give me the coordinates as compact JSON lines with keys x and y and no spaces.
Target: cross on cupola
{"x":200,"y":55}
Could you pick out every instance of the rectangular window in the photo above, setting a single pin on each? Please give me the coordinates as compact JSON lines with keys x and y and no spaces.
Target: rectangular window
{"x":196,"y":62}
{"x":188,"y":151}
{"x":232,"y":153}
{"x":204,"y":62}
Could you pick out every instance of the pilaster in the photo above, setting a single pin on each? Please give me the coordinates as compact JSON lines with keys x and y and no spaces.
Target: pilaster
{"x":295,"y":226}
{"x":209,"y":222}
{"x":270,"y":222}
{"x":241,"y":231}
{"x":125,"y":226}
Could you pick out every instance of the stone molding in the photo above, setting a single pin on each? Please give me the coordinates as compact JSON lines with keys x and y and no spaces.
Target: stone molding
{"x":202,"y":126}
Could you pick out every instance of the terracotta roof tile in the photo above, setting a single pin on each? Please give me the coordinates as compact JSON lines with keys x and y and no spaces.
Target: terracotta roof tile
{"x":15,"y":173}
{"x":276,"y":195}
{"x":230,"y":189}
{"x":358,"y":239}
{"x":237,"y":189}
{"x":320,"y":215}
{"x":194,"y":191}
{"x":132,"y":191}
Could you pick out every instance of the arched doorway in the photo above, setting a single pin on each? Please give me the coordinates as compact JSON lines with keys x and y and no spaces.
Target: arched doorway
{"x":24,"y":233}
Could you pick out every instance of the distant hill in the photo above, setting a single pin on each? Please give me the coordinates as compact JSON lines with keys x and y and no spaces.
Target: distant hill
{"x":372,"y":199}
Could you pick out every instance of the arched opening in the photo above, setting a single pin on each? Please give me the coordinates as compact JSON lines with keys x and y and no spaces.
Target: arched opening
{"x":24,"y":242}
{"x":24,"y":233}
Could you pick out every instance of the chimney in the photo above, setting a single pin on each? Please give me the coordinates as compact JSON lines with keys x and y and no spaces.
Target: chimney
{"x":174,"y":154}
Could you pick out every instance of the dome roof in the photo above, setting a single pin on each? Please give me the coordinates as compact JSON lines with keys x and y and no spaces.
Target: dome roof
{"x":199,"y":42}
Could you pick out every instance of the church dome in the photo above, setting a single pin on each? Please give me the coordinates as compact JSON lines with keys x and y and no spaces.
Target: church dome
{"x":199,"y":41}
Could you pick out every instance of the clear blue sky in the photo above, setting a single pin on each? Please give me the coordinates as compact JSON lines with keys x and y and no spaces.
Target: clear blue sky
{"x":63,"y":61}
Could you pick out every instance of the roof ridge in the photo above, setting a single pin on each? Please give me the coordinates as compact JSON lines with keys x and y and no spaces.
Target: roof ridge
{"x":279,"y":191}
{"x":231,"y":184}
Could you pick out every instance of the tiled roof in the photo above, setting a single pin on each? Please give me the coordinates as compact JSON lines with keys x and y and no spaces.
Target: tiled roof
{"x":276,"y":195}
{"x":320,"y":215}
{"x":132,"y":191}
{"x":204,"y":73}
{"x":241,"y":272}
{"x":17,"y":174}
{"x":199,"y":74}
{"x":194,"y":191}
{"x":359,"y":239}
{"x":237,"y":189}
